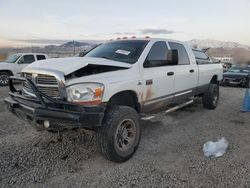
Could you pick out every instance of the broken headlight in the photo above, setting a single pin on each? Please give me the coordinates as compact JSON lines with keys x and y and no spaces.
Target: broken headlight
{"x":85,"y":93}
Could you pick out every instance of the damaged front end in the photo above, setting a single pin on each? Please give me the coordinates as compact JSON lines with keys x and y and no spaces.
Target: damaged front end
{"x":45,"y":112}
{"x":45,"y":101}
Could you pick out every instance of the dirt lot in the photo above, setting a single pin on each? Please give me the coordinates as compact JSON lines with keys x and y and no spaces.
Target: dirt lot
{"x":170,"y":153}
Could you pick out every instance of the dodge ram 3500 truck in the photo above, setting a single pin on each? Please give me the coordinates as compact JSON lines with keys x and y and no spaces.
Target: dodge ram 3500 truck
{"x":112,"y":87}
{"x":15,"y":63}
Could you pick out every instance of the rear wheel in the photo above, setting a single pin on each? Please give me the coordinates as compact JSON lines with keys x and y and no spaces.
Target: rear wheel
{"x":120,"y":134}
{"x":4,"y":78}
{"x":211,"y":97}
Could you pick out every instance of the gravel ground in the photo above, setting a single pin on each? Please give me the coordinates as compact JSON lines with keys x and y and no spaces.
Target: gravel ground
{"x":170,"y":153}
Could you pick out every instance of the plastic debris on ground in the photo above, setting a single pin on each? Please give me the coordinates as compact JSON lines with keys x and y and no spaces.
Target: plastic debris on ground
{"x":215,"y":149}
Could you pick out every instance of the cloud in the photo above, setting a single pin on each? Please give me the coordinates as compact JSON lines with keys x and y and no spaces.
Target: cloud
{"x":40,"y":41}
{"x":124,"y":33}
{"x":156,"y":31}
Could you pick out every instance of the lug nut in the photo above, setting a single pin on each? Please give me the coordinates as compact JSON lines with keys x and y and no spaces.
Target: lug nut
{"x":46,"y":124}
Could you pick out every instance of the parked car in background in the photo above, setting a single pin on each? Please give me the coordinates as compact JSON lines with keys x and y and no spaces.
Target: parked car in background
{"x":226,"y":66}
{"x":15,"y":63}
{"x":237,"y":76}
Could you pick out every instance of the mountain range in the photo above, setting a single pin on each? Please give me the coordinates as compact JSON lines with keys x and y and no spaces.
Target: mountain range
{"x":197,"y":43}
{"x":239,"y":52}
{"x":74,"y":44}
{"x":209,"y":43}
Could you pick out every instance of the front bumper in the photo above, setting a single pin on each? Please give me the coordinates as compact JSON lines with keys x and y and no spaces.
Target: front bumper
{"x":59,"y":114}
{"x":234,"y":81}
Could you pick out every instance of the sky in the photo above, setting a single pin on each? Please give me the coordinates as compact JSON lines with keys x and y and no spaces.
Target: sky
{"x":25,"y":22}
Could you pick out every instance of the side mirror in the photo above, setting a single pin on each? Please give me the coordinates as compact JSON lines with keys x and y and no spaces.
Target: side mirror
{"x":173,"y":57}
{"x":82,"y":54}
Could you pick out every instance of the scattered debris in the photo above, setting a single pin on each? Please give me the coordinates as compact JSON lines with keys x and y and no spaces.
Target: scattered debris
{"x":216,"y":149}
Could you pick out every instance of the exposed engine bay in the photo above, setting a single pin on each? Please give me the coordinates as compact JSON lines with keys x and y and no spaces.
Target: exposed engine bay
{"x":93,"y":69}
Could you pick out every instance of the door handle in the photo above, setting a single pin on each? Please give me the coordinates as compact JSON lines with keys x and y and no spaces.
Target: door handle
{"x":191,"y":71}
{"x":170,"y":73}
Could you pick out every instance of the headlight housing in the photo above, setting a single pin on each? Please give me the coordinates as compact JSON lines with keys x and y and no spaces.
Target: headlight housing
{"x":85,"y":93}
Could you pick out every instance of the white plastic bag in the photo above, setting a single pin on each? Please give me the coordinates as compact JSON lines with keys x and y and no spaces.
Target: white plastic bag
{"x":216,"y":149}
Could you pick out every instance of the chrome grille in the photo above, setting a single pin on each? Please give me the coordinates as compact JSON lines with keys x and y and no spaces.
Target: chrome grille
{"x":50,"y":91}
{"x":46,"y":79}
{"x":46,"y":84}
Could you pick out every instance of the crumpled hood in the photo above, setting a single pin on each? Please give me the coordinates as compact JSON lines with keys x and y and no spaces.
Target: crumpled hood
{"x":71,"y":64}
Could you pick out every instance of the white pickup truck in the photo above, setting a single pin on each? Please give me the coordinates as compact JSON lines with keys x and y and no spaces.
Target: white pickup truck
{"x":15,"y":63}
{"x":112,"y":87}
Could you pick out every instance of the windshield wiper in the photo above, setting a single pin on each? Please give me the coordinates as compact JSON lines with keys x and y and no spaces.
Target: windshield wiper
{"x":105,"y":57}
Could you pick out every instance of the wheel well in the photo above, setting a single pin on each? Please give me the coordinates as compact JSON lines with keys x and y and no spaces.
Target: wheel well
{"x":214,"y":80}
{"x":10,"y":72}
{"x":126,"y":98}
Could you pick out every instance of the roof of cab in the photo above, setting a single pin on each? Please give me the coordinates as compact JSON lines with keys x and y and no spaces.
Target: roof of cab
{"x":146,"y":39}
{"x":23,"y":53}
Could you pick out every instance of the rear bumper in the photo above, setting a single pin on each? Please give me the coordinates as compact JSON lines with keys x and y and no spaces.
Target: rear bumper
{"x":59,"y":114}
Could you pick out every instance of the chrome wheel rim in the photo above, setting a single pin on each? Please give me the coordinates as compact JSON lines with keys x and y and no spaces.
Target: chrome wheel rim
{"x":4,"y":79}
{"x":125,"y":135}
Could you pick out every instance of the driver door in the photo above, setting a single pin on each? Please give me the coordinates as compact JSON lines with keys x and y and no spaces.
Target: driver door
{"x":158,"y":78}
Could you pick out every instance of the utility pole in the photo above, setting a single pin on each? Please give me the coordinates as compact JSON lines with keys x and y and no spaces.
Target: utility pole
{"x":74,"y":47}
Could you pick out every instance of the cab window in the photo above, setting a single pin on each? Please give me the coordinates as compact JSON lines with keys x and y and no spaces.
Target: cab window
{"x":157,"y":55}
{"x":182,"y":53}
{"x":40,"y":57}
{"x":27,"y":59}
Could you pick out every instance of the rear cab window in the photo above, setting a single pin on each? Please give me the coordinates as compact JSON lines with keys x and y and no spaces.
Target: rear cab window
{"x":40,"y":57}
{"x":201,"y":57}
{"x":183,"y":58}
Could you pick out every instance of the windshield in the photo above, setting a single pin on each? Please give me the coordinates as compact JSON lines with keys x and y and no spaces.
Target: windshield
{"x":127,"y":51}
{"x":240,"y":69}
{"x":12,"y":58}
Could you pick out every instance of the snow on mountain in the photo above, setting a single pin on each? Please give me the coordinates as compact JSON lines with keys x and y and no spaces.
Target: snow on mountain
{"x":209,"y":43}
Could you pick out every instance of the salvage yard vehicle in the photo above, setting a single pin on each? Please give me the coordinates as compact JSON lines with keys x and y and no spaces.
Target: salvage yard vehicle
{"x":15,"y":63}
{"x":111,"y":88}
{"x":237,"y":76}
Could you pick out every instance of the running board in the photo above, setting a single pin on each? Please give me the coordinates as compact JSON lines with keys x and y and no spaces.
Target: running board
{"x":169,"y":110}
{"x":147,"y":117}
{"x":179,"y":106}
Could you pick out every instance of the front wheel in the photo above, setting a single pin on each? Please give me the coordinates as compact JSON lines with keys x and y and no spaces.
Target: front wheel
{"x":4,"y":78}
{"x":119,"y":136}
{"x":211,"y":97}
